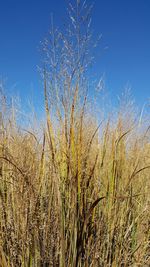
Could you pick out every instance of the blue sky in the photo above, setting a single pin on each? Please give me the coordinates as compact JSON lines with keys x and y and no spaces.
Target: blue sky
{"x":125,"y":29}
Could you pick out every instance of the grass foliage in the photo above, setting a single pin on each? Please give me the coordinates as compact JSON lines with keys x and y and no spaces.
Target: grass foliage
{"x":77,"y":194}
{"x":78,"y":197}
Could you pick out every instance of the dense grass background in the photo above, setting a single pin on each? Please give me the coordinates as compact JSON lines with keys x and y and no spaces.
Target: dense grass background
{"x":76,"y":195}
{"x":74,"y":189}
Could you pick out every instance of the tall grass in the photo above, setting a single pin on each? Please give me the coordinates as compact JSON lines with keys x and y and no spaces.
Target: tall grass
{"x":77,"y":194}
{"x":78,"y":197}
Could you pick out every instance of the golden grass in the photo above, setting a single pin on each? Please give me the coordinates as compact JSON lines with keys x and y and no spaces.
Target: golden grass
{"x":77,"y":194}
{"x":80,"y":197}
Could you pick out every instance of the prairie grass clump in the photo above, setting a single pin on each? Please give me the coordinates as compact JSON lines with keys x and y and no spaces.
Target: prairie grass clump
{"x":76,"y":194}
{"x":78,"y":198}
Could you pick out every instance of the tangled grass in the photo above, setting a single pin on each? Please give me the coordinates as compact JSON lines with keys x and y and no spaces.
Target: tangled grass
{"x":77,"y":194}
{"x":78,"y":197}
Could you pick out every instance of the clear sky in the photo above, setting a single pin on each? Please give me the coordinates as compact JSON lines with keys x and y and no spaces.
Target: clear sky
{"x":125,"y":29}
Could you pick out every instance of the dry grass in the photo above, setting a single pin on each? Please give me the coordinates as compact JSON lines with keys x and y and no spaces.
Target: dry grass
{"x":79,"y":197}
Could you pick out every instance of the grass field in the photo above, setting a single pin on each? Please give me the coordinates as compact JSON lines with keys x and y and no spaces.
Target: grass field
{"x":74,"y":189}
{"x":78,"y":194}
